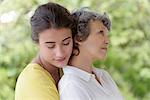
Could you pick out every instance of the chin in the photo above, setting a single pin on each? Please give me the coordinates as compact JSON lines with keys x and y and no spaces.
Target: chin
{"x":62,"y":65}
{"x":102,"y":57}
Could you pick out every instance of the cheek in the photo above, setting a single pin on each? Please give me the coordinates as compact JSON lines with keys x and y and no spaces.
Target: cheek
{"x":93,"y":46}
{"x":68,"y":49}
{"x":46,"y":53}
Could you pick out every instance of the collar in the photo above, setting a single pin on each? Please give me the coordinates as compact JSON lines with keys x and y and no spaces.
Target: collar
{"x":78,"y":72}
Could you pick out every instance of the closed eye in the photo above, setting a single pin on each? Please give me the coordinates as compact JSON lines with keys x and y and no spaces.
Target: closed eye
{"x":66,"y":42}
{"x":101,"y":32}
{"x":51,"y":46}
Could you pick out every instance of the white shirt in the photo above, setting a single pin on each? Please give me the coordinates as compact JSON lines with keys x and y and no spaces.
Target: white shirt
{"x":77,"y":84}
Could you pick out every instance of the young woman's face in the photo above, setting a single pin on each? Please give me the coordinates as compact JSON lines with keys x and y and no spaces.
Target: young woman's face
{"x":56,"y":46}
{"x":96,"y":44}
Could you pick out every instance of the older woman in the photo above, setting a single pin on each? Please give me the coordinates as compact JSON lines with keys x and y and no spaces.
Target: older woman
{"x":81,"y":81}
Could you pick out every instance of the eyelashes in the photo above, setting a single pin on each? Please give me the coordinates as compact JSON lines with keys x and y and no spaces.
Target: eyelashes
{"x":101,"y":32}
{"x":53,"y":45}
{"x":66,"y":43}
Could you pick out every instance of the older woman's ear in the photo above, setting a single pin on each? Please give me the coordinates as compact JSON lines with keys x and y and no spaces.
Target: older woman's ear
{"x":78,"y":40}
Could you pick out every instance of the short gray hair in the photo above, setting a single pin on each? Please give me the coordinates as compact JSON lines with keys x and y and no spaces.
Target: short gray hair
{"x":83,"y":17}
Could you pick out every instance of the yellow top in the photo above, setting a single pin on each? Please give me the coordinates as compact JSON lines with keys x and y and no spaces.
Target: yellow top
{"x":35,"y":83}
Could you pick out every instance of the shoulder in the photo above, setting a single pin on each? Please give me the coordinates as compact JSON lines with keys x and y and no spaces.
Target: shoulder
{"x":35,"y":81}
{"x":33,"y":73}
{"x":101,"y":72}
{"x":71,"y":88}
{"x":70,"y":81}
{"x":107,"y":79}
{"x":72,"y":75}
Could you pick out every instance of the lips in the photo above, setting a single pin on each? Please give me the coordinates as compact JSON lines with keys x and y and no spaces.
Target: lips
{"x":104,"y":49}
{"x":61,"y":59}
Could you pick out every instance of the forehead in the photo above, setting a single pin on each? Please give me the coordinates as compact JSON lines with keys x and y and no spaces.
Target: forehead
{"x":97,"y":24}
{"x":53,"y":34}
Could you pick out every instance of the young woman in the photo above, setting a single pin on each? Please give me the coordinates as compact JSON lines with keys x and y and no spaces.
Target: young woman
{"x":81,"y":81}
{"x":52,"y":27}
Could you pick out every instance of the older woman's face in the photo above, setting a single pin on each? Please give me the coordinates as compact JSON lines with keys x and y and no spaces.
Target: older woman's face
{"x":96,"y":44}
{"x":56,"y":46}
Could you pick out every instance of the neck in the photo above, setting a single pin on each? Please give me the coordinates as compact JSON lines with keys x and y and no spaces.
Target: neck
{"x":82,"y":61}
{"x":54,"y":71}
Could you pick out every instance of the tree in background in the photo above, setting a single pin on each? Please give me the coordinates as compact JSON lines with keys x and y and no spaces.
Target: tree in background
{"x":129,"y":54}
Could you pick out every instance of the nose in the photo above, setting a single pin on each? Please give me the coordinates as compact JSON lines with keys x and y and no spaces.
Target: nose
{"x":107,"y":40}
{"x":59,"y":52}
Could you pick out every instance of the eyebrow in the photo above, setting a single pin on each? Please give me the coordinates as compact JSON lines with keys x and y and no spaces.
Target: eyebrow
{"x":49,"y":42}
{"x":66,"y":38}
{"x":62,"y":40}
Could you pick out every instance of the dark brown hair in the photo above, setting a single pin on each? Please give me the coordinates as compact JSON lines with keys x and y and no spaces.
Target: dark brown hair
{"x":50,"y":15}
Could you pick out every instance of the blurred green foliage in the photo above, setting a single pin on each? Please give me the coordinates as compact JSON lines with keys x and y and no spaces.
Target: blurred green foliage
{"x":129,"y":53}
